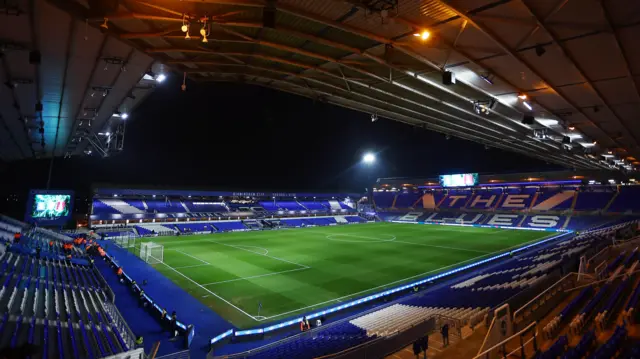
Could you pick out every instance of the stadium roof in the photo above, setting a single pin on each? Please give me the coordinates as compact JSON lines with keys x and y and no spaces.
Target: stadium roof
{"x":574,"y":60}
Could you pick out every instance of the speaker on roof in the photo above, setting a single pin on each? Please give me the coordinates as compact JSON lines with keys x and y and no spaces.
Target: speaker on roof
{"x":448,"y":78}
{"x":528,"y":120}
{"x":269,"y":14}
{"x":34,"y":57}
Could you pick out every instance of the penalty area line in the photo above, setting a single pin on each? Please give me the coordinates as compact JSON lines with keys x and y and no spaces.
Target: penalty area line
{"x":260,"y":254}
{"x":210,"y":292}
{"x":189,"y":255}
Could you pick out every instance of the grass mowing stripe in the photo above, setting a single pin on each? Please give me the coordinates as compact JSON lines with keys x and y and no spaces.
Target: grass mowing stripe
{"x":255,"y":276}
{"x":254,"y":263}
{"x":187,"y":254}
{"x":405,"y":279}
{"x":260,"y":254}
{"x":210,"y":292}
{"x":444,"y":247}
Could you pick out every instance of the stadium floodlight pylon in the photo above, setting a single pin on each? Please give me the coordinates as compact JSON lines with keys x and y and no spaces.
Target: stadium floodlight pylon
{"x":152,"y":253}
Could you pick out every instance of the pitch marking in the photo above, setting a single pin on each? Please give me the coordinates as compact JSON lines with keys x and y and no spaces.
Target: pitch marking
{"x":332,"y":237}
{"x":444,"y":247}
{"x":266,"y":251}
{"x":405,"y":279}
{"x":193,"y":266}
{"x":250,"y":251}
{"x":210,"y":292}
{"x":189,"y":255}
{"x":255,"y":276}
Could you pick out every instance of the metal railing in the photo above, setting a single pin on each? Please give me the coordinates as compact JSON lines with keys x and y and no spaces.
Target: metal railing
{"x":521,"y":314}
{"x":105,"y":286}
{"x":137,"y":353}
{"x":185,"y":354}
{"x":502,"y":344}
{"x":126,"y":332}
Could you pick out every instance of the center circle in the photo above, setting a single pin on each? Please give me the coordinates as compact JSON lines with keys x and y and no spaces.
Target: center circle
{"x":351,"y":238}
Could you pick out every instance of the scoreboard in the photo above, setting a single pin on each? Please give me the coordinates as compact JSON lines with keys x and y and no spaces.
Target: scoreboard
{"x":49,"y":207}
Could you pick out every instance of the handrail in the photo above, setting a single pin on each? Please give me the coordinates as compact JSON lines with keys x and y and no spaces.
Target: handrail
{"x":533,"y":324}
{"x":105,"y":285}
{"x":515,"y":314}
{"x":113,"y":311}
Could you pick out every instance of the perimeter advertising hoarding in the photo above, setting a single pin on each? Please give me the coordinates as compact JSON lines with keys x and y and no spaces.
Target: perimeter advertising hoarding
{"x":49,"y":207}
{"x":459,"y":180}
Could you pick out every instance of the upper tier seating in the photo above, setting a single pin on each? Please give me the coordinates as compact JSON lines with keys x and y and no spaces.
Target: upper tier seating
{"x":626,"y":200}
{"x":407,"y":199}
{"x":137,"y":203}
{"x":206,"y":207}
{"x":455,"y":199}
{"x":290,"y":206}
{"x":162,"y":206}
{"x":117,"y":206}
{"x":592,"y":201}
{"x":315,"y":206}
{"x":270,"y":206}
{"x":384,"y":199}
{"x":151,"y":228}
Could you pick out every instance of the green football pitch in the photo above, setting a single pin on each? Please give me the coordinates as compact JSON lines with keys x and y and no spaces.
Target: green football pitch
{"x":296,"y":270}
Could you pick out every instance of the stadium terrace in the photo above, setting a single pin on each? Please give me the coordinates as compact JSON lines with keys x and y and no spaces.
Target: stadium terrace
{"x":282,"y":274}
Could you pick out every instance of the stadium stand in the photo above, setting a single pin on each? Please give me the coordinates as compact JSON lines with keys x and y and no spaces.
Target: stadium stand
{"x":64,"y":307}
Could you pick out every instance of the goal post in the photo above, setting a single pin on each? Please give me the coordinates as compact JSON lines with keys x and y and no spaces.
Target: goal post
{"x":152,"y":253}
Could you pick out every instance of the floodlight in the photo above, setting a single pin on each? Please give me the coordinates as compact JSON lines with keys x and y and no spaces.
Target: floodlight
{"x":125,"y":116}
{"x":422,"y":35}
{"x":161,"y":78}
{"x":369,"y":158}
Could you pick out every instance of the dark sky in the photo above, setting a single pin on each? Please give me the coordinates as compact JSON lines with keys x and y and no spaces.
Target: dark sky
{"x":237,"y":136}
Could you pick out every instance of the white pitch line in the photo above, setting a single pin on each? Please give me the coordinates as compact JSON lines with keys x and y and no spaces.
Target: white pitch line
{"x":444,"y":247}
{"x":250,"y":251}
{"x":256,"y":276}
{"x":210,"y":292}
{"x":405,"y":279}
{"x":193,"y":266}
{"x":187,"y":254}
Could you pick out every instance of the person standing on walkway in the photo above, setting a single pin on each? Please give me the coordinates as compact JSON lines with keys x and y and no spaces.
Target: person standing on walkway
{"x":445,"y":335}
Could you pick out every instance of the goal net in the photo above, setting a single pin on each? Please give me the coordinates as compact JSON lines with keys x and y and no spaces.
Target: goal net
{"x":125,"y":241}
{"x":152,"y":253}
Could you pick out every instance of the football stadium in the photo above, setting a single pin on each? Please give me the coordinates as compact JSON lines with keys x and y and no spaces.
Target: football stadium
{"x":451,"y":264}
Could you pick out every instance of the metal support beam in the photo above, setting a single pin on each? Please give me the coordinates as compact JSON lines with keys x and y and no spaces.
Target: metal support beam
{"x":582,"y":73}
{"x":493,"y":37}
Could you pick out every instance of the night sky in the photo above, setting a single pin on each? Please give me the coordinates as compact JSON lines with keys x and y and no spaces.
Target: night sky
{"x":239,"y":136}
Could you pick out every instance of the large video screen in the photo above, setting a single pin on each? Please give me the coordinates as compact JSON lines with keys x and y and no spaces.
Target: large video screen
{"x":459,"y":180}
{"x":49,"y":207}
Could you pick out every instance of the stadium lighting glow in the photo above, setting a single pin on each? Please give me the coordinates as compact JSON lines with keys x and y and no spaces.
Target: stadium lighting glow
{"x":161,"y":78}
{"x":369,"y":158}
{"x":526,"y":104}
{"x":547,"y":121}
{"x":422,"y":35}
